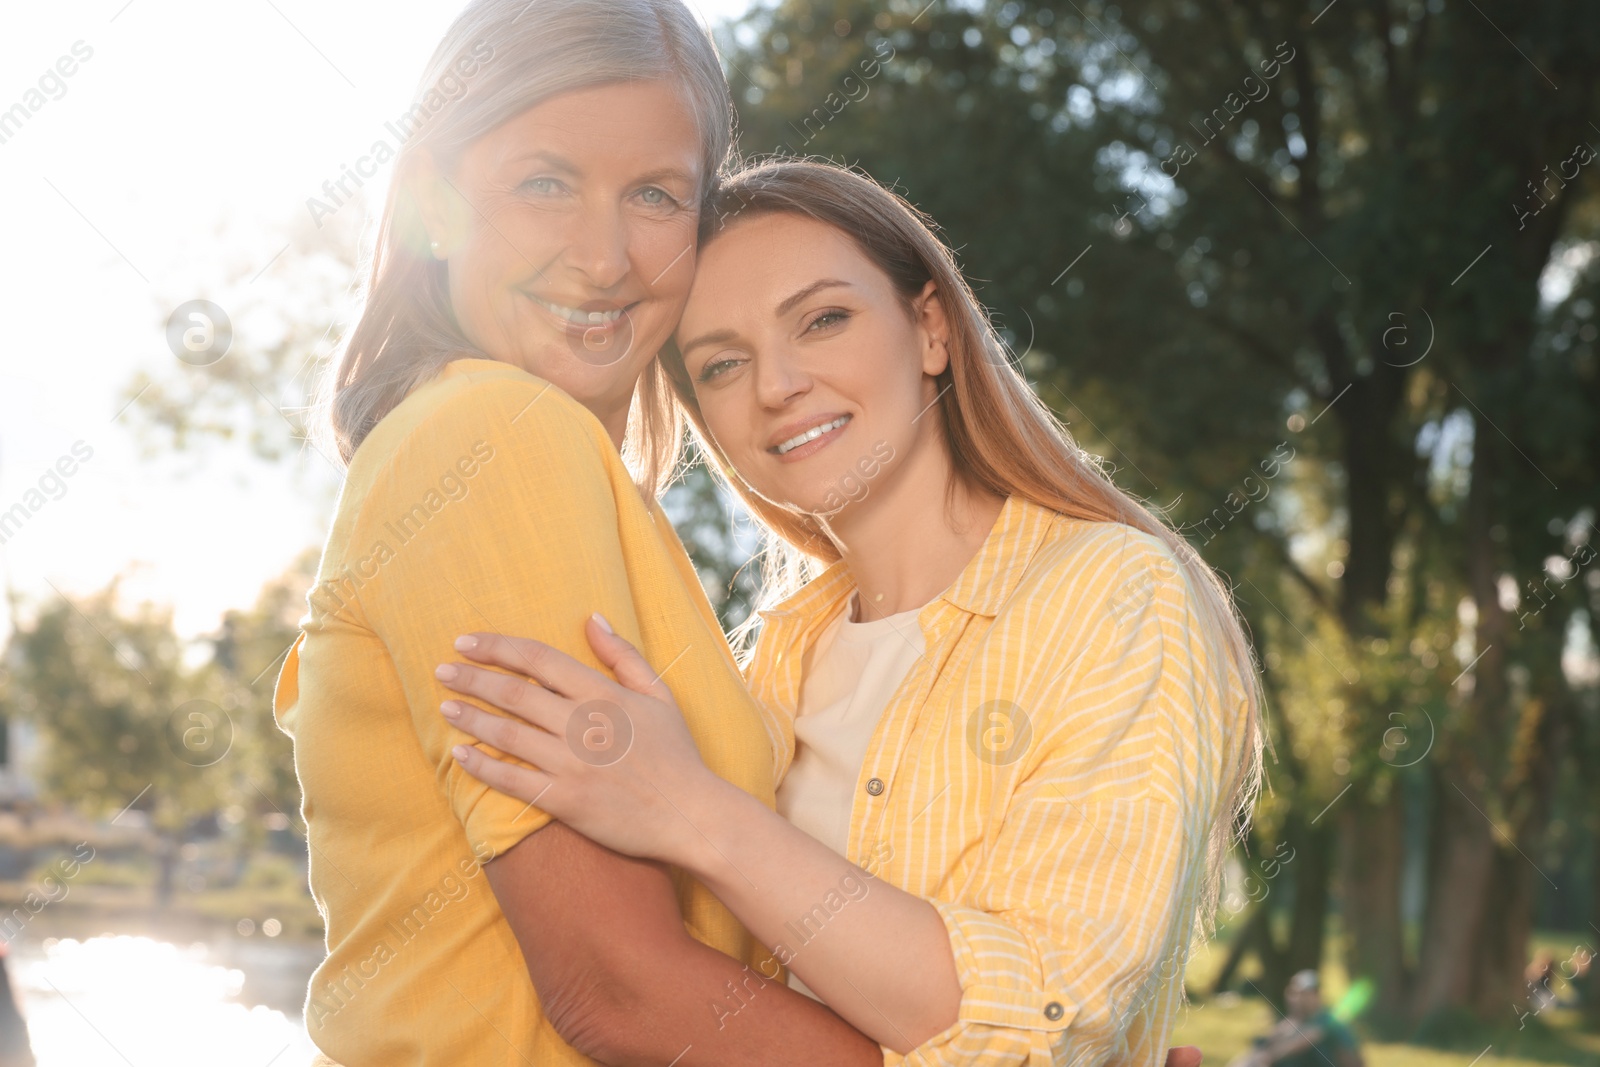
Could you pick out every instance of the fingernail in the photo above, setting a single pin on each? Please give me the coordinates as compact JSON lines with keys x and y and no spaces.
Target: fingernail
{"x":445,"y":672}
{"x":466,"y":643}
{"x":601,"y":619}
{"x":450,"y":709}
{"x":460,"y":753}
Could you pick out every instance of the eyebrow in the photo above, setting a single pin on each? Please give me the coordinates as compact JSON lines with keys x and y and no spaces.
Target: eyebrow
{"x":562,"y":163}
{"x":554,"y":160}
{"x":826,"y":283}
{"x":717,"y":337}
{"x":674,"y":173}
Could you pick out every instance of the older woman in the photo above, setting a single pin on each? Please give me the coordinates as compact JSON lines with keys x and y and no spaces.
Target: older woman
{"x":534,"y":255}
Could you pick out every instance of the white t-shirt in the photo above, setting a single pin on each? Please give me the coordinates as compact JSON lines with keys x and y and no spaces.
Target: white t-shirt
{"x":849,"y":675}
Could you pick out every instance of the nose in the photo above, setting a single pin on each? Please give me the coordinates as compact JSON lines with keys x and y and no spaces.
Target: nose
{"x":599,"y":247}
{"x":780,"y":380}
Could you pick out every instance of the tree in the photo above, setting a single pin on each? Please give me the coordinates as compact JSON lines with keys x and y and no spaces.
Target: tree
{"x":128,"y":722}
{"x":124,"y":726}
{"x":248,"y":652}
{"x":257,"y":380}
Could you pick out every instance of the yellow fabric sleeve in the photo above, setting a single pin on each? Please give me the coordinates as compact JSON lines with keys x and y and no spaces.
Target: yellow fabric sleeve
{"x":447,"y":522}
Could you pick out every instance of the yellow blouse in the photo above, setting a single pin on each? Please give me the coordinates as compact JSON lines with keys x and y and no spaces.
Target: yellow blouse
{"x":1047,"y":776}
{"x":487,"y":500}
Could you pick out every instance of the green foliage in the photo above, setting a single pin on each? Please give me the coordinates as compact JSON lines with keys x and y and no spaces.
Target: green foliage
{"x":127,"y":721}
{"x":111,"y":698}
{"x":720,"y":537}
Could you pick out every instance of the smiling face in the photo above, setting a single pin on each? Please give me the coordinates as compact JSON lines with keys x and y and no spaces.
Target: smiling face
{"x":569,"y":232}
{"x":810,"y":371}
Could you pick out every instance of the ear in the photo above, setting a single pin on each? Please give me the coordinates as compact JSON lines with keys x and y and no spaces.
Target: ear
{"x":934,"y":328}
{"x":440,"y":207}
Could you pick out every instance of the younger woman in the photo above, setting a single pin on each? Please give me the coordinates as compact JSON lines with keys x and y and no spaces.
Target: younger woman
{"x":1023,"y":714}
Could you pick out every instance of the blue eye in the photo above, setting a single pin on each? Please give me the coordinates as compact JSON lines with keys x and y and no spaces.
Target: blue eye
{"x":656,"y":197}
{"x":542,"y":185}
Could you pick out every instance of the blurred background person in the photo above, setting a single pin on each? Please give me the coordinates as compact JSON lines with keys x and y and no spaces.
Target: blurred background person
{"x":1541,"y":972}
{"x":1308,"y":1035}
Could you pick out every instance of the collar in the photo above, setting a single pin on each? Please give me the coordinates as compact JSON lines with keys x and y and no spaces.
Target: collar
{"x":982,"y":587}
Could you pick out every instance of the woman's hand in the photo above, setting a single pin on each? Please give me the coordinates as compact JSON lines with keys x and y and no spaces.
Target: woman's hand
{"x":613,"y":761}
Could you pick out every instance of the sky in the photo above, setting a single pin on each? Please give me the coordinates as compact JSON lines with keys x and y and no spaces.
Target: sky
{"x":179,"y":151}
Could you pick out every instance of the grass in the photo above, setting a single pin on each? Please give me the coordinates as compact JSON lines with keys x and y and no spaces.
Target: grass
{"x":1222,"y":1026}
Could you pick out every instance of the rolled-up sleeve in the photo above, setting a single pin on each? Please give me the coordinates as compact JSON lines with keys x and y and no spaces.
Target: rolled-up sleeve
{"x":1070,"y":940}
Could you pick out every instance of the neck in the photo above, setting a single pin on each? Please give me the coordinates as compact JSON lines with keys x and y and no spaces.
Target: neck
{"x":611,"y":411}
{"x":616,"y":424}
{"x":914,"y":540}
{"x":613,"y":416}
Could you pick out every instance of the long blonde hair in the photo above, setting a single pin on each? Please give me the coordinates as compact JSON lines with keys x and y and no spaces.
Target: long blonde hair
{"x":1001,"y":437}
{"x":518,"y":52}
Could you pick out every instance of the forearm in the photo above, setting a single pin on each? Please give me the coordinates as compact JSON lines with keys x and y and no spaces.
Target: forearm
{"x":622,"y":982}
{"x":1295,"y":1040}
{"x":884,"y":962}
{"x":877,"y":955}
{"x":700,"y":1008}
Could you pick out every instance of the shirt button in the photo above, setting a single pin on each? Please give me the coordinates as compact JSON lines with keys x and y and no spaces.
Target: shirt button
{"x":875,"y":786}
{"x":1054,"y":1010}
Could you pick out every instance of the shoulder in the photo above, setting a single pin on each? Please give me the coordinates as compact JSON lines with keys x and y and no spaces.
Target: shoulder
{"x":481,"y":395}
{"x":1084,"y":571}
{"x":478,"y":409}
{"x":486,"y":438}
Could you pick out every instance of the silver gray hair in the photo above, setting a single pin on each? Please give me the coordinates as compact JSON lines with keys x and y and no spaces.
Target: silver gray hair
{"x":499,"y":58}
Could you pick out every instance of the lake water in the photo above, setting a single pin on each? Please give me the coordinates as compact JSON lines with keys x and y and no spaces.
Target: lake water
{"x":120,"y":1000}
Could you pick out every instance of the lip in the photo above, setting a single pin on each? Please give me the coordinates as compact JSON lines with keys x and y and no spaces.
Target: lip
{"x":815,"y":445}
{"x":583,"y":329}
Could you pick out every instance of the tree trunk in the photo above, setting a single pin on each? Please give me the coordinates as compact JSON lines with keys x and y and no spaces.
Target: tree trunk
{"x":1589,"y":984}
{"x":1372,"y":858}
{"x":1304,"y":876}
{"x":1250,"y":936}
{"x":1308,"y":919}
{"x":1503,"y":945}
{"x":1462,"y":855}
{"x":1370,"y":832}
{"x":1463,"y":885}
{"x":1498,"y":988}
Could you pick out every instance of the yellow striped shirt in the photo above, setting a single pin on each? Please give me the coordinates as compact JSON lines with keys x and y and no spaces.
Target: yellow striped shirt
{"x":1047,"y":776}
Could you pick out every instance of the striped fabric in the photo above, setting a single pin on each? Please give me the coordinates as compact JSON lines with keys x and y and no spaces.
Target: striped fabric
{"x":1047,"y":776}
